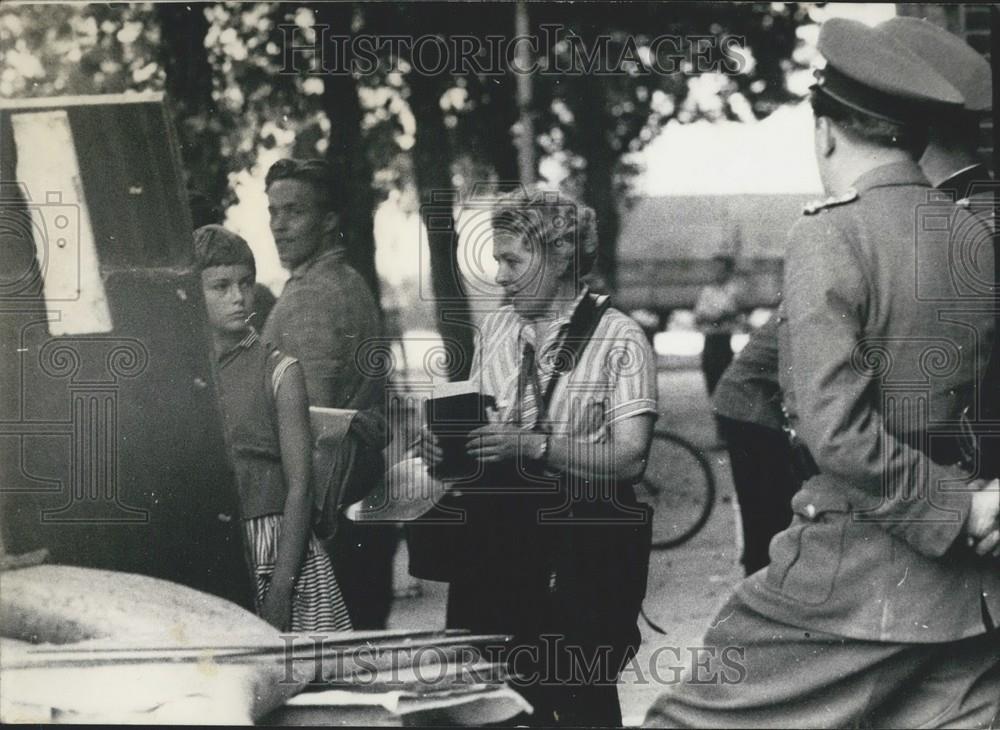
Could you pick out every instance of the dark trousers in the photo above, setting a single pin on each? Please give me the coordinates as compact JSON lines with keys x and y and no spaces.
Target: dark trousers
{"x":568,"y":679}
{"x":362,"y":555}
{"x":570,"y":595}
{"x":715,"y":358}
{"x":766,"y":674}
{"x":765,"y":483}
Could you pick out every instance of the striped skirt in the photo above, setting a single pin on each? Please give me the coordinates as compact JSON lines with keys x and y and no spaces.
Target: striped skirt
{"x":316,"y":601}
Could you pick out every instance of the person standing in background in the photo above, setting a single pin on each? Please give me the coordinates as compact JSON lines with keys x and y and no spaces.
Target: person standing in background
{"x":717,"y":314}
{"x":747,"y":406}
{"x":325,"y":314}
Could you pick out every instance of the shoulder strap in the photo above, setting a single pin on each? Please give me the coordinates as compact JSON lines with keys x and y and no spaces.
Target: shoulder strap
{"x":831,"y":202}
{"x":282,"y":364}
{"x":580,"y":331}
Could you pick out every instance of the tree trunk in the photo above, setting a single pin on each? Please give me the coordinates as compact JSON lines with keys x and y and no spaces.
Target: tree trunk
{"x":598,"y":189}
{"x":347,"y":151}
{"x":189,"y":89}
{"x":432,"y":170}
{"x":496,"y":111}
{"x":526,"y":164}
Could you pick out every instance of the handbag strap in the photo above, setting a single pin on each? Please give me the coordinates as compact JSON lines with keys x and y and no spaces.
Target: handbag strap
{"x":579,"y":332}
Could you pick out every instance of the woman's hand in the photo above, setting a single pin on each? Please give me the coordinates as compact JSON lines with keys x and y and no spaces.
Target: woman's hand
{"x":428,"y":449}
{"x":277,"y":608}
{"x":498,"y":442}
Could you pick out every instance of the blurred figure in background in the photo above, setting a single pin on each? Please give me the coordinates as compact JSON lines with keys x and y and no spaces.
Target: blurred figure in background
{"x":747,"y":406}
{"x":717,"y":314}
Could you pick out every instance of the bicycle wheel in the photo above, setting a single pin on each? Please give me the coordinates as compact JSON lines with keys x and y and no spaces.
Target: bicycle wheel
{"x":680,"y":487}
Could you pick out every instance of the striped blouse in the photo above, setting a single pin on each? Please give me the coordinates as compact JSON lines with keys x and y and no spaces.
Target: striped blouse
{"x":614,"y":379}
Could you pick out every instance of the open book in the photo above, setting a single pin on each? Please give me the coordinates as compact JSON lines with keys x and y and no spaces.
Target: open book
{"x":410,"y":489}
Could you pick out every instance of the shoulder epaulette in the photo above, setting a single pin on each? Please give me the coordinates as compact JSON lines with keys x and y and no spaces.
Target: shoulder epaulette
{"x":981,"y":209}
{"x":834,"y":200}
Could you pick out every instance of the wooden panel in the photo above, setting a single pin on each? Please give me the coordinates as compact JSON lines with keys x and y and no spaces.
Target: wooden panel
{"x":133,"y":181}
{"x":111,"y":446}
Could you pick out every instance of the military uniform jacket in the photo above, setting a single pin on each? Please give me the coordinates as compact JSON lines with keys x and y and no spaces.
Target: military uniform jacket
{"x":884,"y":335}
{"x":749,"y":391}
{"x":976,"y":191}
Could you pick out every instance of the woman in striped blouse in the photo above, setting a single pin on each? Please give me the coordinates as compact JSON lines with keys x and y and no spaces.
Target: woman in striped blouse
{"x":556,"y":546}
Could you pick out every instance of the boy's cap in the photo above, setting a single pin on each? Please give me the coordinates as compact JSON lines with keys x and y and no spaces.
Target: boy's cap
{"x":954,"y":59}
{"x":871,"y":73}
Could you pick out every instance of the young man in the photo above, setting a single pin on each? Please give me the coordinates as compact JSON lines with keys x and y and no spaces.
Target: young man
{"x":324,"y":315}
{"x":881,"y":602}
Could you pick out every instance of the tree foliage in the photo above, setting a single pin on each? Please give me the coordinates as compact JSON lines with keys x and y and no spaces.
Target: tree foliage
{"x":224,"y":66}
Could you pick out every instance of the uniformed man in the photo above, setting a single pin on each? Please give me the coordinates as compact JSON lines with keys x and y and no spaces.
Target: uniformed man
{"x":881,"y":603}
{"x":747,"y":402}
{"x":951,"y":159}
{"x":952,"y":163}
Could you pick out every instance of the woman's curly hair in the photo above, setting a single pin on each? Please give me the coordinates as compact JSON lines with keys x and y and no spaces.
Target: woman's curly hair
{"x":543,"y":217}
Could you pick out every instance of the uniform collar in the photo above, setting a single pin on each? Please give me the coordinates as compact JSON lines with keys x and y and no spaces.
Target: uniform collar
{"x":333,"y":254}
{"x":906,"y":172}
{"x":962,"y":180}
{"x":244,"y":344}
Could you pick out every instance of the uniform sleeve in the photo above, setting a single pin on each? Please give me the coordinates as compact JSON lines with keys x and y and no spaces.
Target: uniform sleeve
{"x":826,"y":301}
{"x":748,"y":390}
{"x":632,"y":363}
